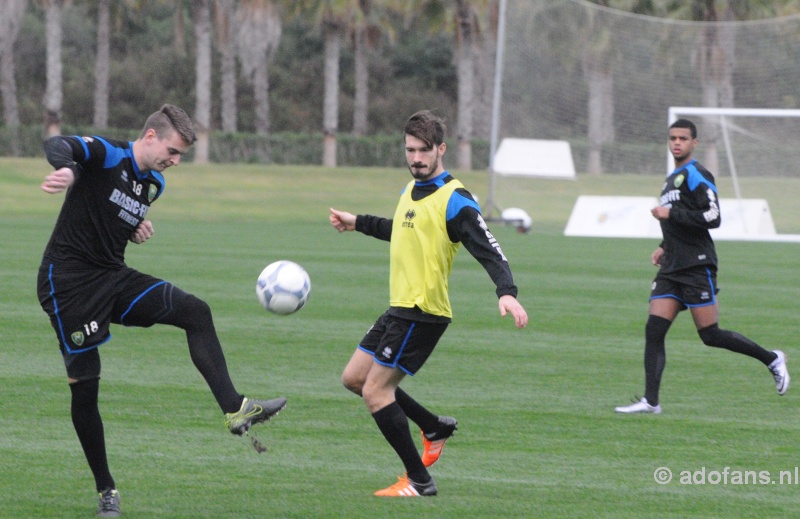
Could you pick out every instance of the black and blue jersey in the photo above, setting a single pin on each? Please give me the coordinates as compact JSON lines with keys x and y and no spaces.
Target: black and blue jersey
{"x":108,"y":200}
{"x":691,"y":195}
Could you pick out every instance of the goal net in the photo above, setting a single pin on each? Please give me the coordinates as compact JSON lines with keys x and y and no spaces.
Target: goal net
{"x":604,"y":81}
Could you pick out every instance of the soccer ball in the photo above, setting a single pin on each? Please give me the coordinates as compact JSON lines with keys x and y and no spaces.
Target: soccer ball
{"x":283,"y":287}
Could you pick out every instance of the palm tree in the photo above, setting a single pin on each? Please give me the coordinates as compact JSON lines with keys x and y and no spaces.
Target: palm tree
{"x":334,"y":18}
{"x":54,"y":94}
{"x":467,"y":28}
{"x":179,"y":30}
{"x":225,"y":12}
{"x":370,"y":24}
{"x":102,"y":64}
{"x":259,"y":33}
{"x":598,"y":67}
{"x":485,"y":66}
{"x":11,"y":13}
{"x":466,"y":37}
{"x":361,"y":44}
{"x":202,"y":113}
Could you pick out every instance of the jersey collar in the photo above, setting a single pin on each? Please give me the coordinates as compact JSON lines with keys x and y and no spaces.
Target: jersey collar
{"x":438,"y":180}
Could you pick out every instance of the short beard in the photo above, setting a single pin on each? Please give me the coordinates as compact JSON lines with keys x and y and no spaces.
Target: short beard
{"x":420,"y":174}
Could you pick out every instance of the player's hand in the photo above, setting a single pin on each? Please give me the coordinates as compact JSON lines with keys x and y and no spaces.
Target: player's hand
{"x":509,"y":304}
{"x":144,"y":231}
{"x":660,"y":212}
{"x":655,"y":258}
{"x":58,"y":181}
{"x":342,"y":220}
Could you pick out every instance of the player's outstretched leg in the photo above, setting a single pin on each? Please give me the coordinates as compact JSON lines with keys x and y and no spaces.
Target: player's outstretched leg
{"x":780,"y":372}
{"x":433,"y":441}
{"x":108,"y":505}
{"x":408,"y":488}
{"x":253,"y":412}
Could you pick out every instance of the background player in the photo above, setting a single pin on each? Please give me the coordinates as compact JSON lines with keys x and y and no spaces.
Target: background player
{"x":434,"y":215}
{"x":84,"y":284}
{"x":687,"y":277}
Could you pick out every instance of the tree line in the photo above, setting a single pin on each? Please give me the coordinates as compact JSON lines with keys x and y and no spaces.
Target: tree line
{"x":262,"y":67}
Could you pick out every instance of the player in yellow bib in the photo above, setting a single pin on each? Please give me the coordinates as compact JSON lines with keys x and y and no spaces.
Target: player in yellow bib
{"x":434,"y":217}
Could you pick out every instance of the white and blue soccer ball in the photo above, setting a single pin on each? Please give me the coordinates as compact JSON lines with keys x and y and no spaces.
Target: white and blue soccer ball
{"x":283,"y":287}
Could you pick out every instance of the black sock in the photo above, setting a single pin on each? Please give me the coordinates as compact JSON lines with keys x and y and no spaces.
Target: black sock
{"x":714,"y":336}
{"x":89,"y":426}
{"x":393,"y":423}
{"x":655,"y":356}
{"x":207,"y":356}
{"x":426,"y":420}
{"x":194,"y":315}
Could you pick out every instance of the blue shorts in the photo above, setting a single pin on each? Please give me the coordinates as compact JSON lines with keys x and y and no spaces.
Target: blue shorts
{"x":691,"y":287}
{"x":400,"y":343}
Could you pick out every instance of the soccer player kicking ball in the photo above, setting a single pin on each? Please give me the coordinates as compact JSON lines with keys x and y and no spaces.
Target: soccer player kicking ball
{"x":687,"y":277}
{"x":84,"y":284}
{"x":434,"y":216}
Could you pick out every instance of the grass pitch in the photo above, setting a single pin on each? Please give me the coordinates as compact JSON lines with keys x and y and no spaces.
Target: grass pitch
{"x":537,"y":437}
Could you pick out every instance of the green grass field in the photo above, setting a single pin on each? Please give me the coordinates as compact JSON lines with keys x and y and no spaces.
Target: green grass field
{"x":538,"y":436}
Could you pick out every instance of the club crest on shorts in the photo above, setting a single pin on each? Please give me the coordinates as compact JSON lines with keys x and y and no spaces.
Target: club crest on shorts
{"x":77,"y":338}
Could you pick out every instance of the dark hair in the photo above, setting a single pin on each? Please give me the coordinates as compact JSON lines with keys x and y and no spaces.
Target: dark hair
{"x":427,"y":127}
{"x":170,"y":118}
{"x":685,"y":123}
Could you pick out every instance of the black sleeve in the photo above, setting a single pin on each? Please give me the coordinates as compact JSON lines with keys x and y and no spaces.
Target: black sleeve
{"x":374,"y":226}
{"x":60,"y":154}
{"x":469,"y":228}
{"x":702,"y":209}
{"x":705,"y":213}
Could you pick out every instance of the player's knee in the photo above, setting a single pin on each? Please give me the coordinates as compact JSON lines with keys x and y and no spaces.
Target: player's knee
{"x":196,"y":306}
{"x":188,"y":311}
{"x":82,"y":366}
{"x":352,"y":384}
{"x":656,"y":328}
{"x":710,"y":335}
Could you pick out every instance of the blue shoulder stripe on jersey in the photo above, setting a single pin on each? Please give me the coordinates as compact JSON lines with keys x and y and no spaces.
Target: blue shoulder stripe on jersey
{"x":85,"y":147}
{"x":133,"y":160}
{"x":114,"y":154}
{"x":695,"y":178}
{"x":439,"y":181}
{"x":458,"y":202}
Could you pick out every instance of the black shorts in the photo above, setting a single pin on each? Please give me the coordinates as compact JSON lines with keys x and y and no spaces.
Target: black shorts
{"x":401,"y":343}
{"x":692,"y":287}
{"x":82,"y":302}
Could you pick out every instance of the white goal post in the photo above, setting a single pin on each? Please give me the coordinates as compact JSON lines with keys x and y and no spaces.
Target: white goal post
{"x":752,"y":217}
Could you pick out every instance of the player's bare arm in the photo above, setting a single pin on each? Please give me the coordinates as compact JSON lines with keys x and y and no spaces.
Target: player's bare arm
{"x":144,"y":231}
{"x":509,"y":304}
{"x":342,"y":221}
{"x":58,"y":181}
